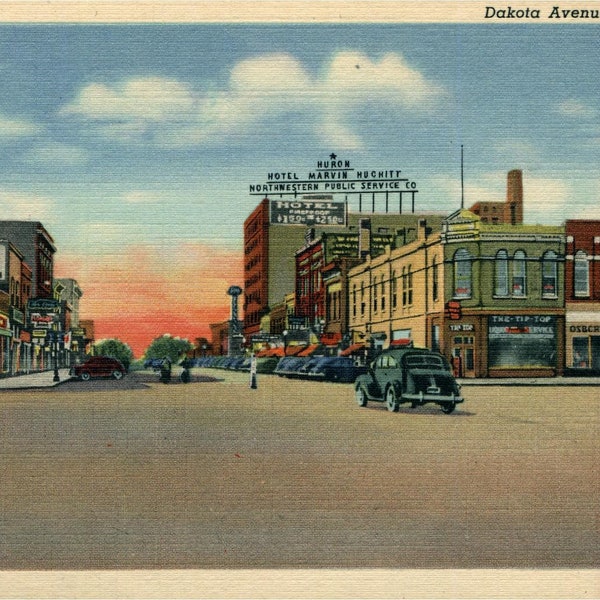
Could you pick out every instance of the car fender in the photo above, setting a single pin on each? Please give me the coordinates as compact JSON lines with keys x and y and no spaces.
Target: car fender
{"x":364,"y":382}
{"x":397,"y":384}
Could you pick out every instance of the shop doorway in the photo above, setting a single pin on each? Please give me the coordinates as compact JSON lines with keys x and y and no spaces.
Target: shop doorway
{"x":463,"y":356}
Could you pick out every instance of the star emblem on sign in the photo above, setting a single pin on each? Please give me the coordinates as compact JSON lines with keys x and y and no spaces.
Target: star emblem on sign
{"x":332,"y":156}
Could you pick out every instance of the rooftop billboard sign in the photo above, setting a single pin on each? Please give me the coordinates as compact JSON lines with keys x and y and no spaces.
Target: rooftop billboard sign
{"x":337,"y":176}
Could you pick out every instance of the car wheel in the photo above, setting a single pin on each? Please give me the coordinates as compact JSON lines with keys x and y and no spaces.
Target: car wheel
{"x":117,"y":374}
{"x":391,"y":401}
{"x":361,"y":397}
{"x":85,"y":376}
{"x":448,"y":407}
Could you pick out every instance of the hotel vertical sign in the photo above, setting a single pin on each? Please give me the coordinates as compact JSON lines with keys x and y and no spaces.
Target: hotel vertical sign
{"x":308,"y":212}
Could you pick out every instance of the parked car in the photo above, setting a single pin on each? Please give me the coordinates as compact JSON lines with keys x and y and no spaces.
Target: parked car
{"x":235,"y":363}
{"x":336,"y":368}
{"x":288,"y":365}
{"x":99,"y":366}
{"x":266,"y":364}
{"x":410,"y":375}
{"x":153,"y":363}
{"x":304,"y":368}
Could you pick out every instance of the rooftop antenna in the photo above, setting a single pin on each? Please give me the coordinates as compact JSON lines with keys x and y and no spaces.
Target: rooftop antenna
{"x":462,"y":178}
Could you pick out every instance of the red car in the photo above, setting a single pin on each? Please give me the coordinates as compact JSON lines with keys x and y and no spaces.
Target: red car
{"x":99,"y":366}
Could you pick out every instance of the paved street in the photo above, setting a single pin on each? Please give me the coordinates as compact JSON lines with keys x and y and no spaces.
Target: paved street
{"x":213,"y":474}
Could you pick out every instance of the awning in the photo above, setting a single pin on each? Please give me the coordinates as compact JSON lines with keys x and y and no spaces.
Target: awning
{"x":263,"y":352}
{"x":331,"y":339}
{"x":276,"y":352}
{"x":294,"y":350}
{"x":353,"y":349}
{"x":401,"y":342}
{"x":308,"y":350}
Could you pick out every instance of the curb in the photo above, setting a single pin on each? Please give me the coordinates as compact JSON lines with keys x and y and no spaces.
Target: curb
{"x":551,"y":382}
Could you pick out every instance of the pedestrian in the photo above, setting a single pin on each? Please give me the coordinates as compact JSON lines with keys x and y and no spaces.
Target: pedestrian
{"x":185,"y":374}
{"x":165,"y":370}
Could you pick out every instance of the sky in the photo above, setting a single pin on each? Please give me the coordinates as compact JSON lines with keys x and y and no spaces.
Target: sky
{"x":135,"y":144}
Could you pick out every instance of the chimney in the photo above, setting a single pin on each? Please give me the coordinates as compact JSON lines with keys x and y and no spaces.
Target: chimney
{"x":422,"y":230}
{"x":514,"y":197}
{"x":364,"y":238}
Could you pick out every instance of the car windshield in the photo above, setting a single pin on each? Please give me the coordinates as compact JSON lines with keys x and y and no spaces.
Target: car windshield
{"x":424,"y":361}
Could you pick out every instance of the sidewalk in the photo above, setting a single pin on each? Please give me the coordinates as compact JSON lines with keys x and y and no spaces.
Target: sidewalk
{"x":531,"y":381}
{"x":46,"y":379}
{"x":34,"y":380}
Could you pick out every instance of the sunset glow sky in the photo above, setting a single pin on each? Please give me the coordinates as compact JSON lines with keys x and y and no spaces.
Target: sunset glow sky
{"x":135,"y":145}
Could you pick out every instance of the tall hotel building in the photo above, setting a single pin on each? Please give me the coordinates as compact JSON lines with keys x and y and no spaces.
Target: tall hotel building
{"x":269,"y":263}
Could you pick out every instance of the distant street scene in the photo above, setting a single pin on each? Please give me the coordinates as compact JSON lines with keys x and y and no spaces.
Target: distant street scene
{"x":135,"y":473}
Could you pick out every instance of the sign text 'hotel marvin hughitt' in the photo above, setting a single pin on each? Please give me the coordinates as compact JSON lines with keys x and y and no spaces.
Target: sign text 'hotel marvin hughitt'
{"x":333,"y":176}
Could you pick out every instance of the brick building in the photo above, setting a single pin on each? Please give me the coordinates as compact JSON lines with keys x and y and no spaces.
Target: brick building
{"x":582,"y":296}
{"x":37,"y":247}
{"x":509,"y":212}
{"x":269,"y":249}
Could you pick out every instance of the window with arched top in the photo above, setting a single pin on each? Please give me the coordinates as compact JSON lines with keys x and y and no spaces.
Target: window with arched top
{"x":581,"y":278}
{"x":549,"y":274}
{"x":463,"y":274}
{"x":501,"y":274}
{"x":519,"y":274}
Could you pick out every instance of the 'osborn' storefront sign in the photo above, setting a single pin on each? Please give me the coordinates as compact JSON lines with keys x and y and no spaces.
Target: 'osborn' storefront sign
{"x":335,"y":176}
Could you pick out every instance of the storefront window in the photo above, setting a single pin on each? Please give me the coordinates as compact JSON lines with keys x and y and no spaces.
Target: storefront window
{"x":580,"y":353}
{"x":501,"y":273}
{"x":522,"y":341}
{"x":519,"y":282}
{"x":462,"y":274}
{"x":435,"y":337}
{"x":582,"y":274}
{"x":595,"y":356}
{"x":549,"y":275}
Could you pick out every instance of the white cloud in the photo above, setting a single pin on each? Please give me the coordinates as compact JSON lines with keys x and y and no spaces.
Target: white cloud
{"x":142,"y":197}
{"x":58,"y":154}
{"x":21,"y":206}
{"x":577,"y":109}
{"x":520,"y":152}
{"x":355,"y":78}
{"x":15,"y":128}
{"x":260,"y":91}
{"x":148,"y":99}
{"x":547,"y":200}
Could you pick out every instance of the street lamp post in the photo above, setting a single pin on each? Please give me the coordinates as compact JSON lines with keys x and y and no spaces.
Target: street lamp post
{"x":55,"y":342}
{"x":284,"y":334}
